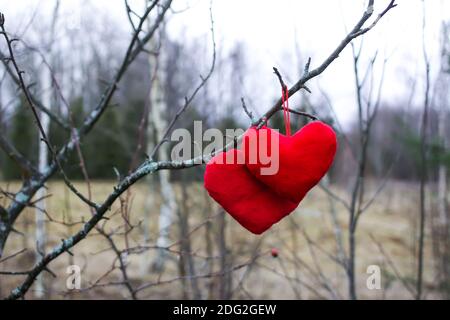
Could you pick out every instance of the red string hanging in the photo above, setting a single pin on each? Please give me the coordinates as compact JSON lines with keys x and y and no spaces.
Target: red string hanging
{"x":286,"y":113}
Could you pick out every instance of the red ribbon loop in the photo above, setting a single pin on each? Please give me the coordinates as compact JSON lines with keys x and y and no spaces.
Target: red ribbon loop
{"x":286,"y":113}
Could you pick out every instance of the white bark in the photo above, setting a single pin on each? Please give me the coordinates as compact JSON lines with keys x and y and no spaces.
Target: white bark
{"x":168,"y":204}
{"x":47,"y":82}
{"x":157,"y":124}
{"x":41,"y":193}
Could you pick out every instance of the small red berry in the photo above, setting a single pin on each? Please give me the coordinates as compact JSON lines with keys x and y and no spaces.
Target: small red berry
{"x":274,"y":252}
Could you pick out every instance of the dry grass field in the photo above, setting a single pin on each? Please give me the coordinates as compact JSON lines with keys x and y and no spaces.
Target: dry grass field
{"x":305,"y":241}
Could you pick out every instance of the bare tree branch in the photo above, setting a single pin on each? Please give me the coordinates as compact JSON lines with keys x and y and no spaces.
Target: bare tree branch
{"x":151,"y":166}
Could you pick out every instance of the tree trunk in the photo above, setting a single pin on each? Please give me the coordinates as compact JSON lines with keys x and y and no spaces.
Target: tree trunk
{"x":47,"y":84}
{"x":41,"y":193}
{"x":186,"y":242}
{"x":158,"y":123}
{"x":423,"y":170}
{"x":225,"y":276}
{"x":442,"y":175}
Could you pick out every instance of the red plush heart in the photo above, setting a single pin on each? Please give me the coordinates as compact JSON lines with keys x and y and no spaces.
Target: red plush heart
{"x":253,"y":204}
{"x":304,"y":158}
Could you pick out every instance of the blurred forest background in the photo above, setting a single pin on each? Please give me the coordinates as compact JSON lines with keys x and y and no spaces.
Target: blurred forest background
{"x":384,"y":202}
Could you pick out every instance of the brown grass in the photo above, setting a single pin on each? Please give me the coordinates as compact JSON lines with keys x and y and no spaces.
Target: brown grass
{"x":390,"y":220}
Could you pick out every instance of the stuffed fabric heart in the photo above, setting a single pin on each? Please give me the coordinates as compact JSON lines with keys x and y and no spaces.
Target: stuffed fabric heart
{"x":253,"y":204}
{"x":246,"y":185}
{"x":303,"y":159}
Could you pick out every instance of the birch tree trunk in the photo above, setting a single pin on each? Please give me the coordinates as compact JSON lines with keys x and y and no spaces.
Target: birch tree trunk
{"x":157,"y":125}
{"x":41,"y":193}
{"x":47,"y":83}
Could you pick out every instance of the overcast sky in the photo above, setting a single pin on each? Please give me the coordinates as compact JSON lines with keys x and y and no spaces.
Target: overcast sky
{"x":274,"y":31}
